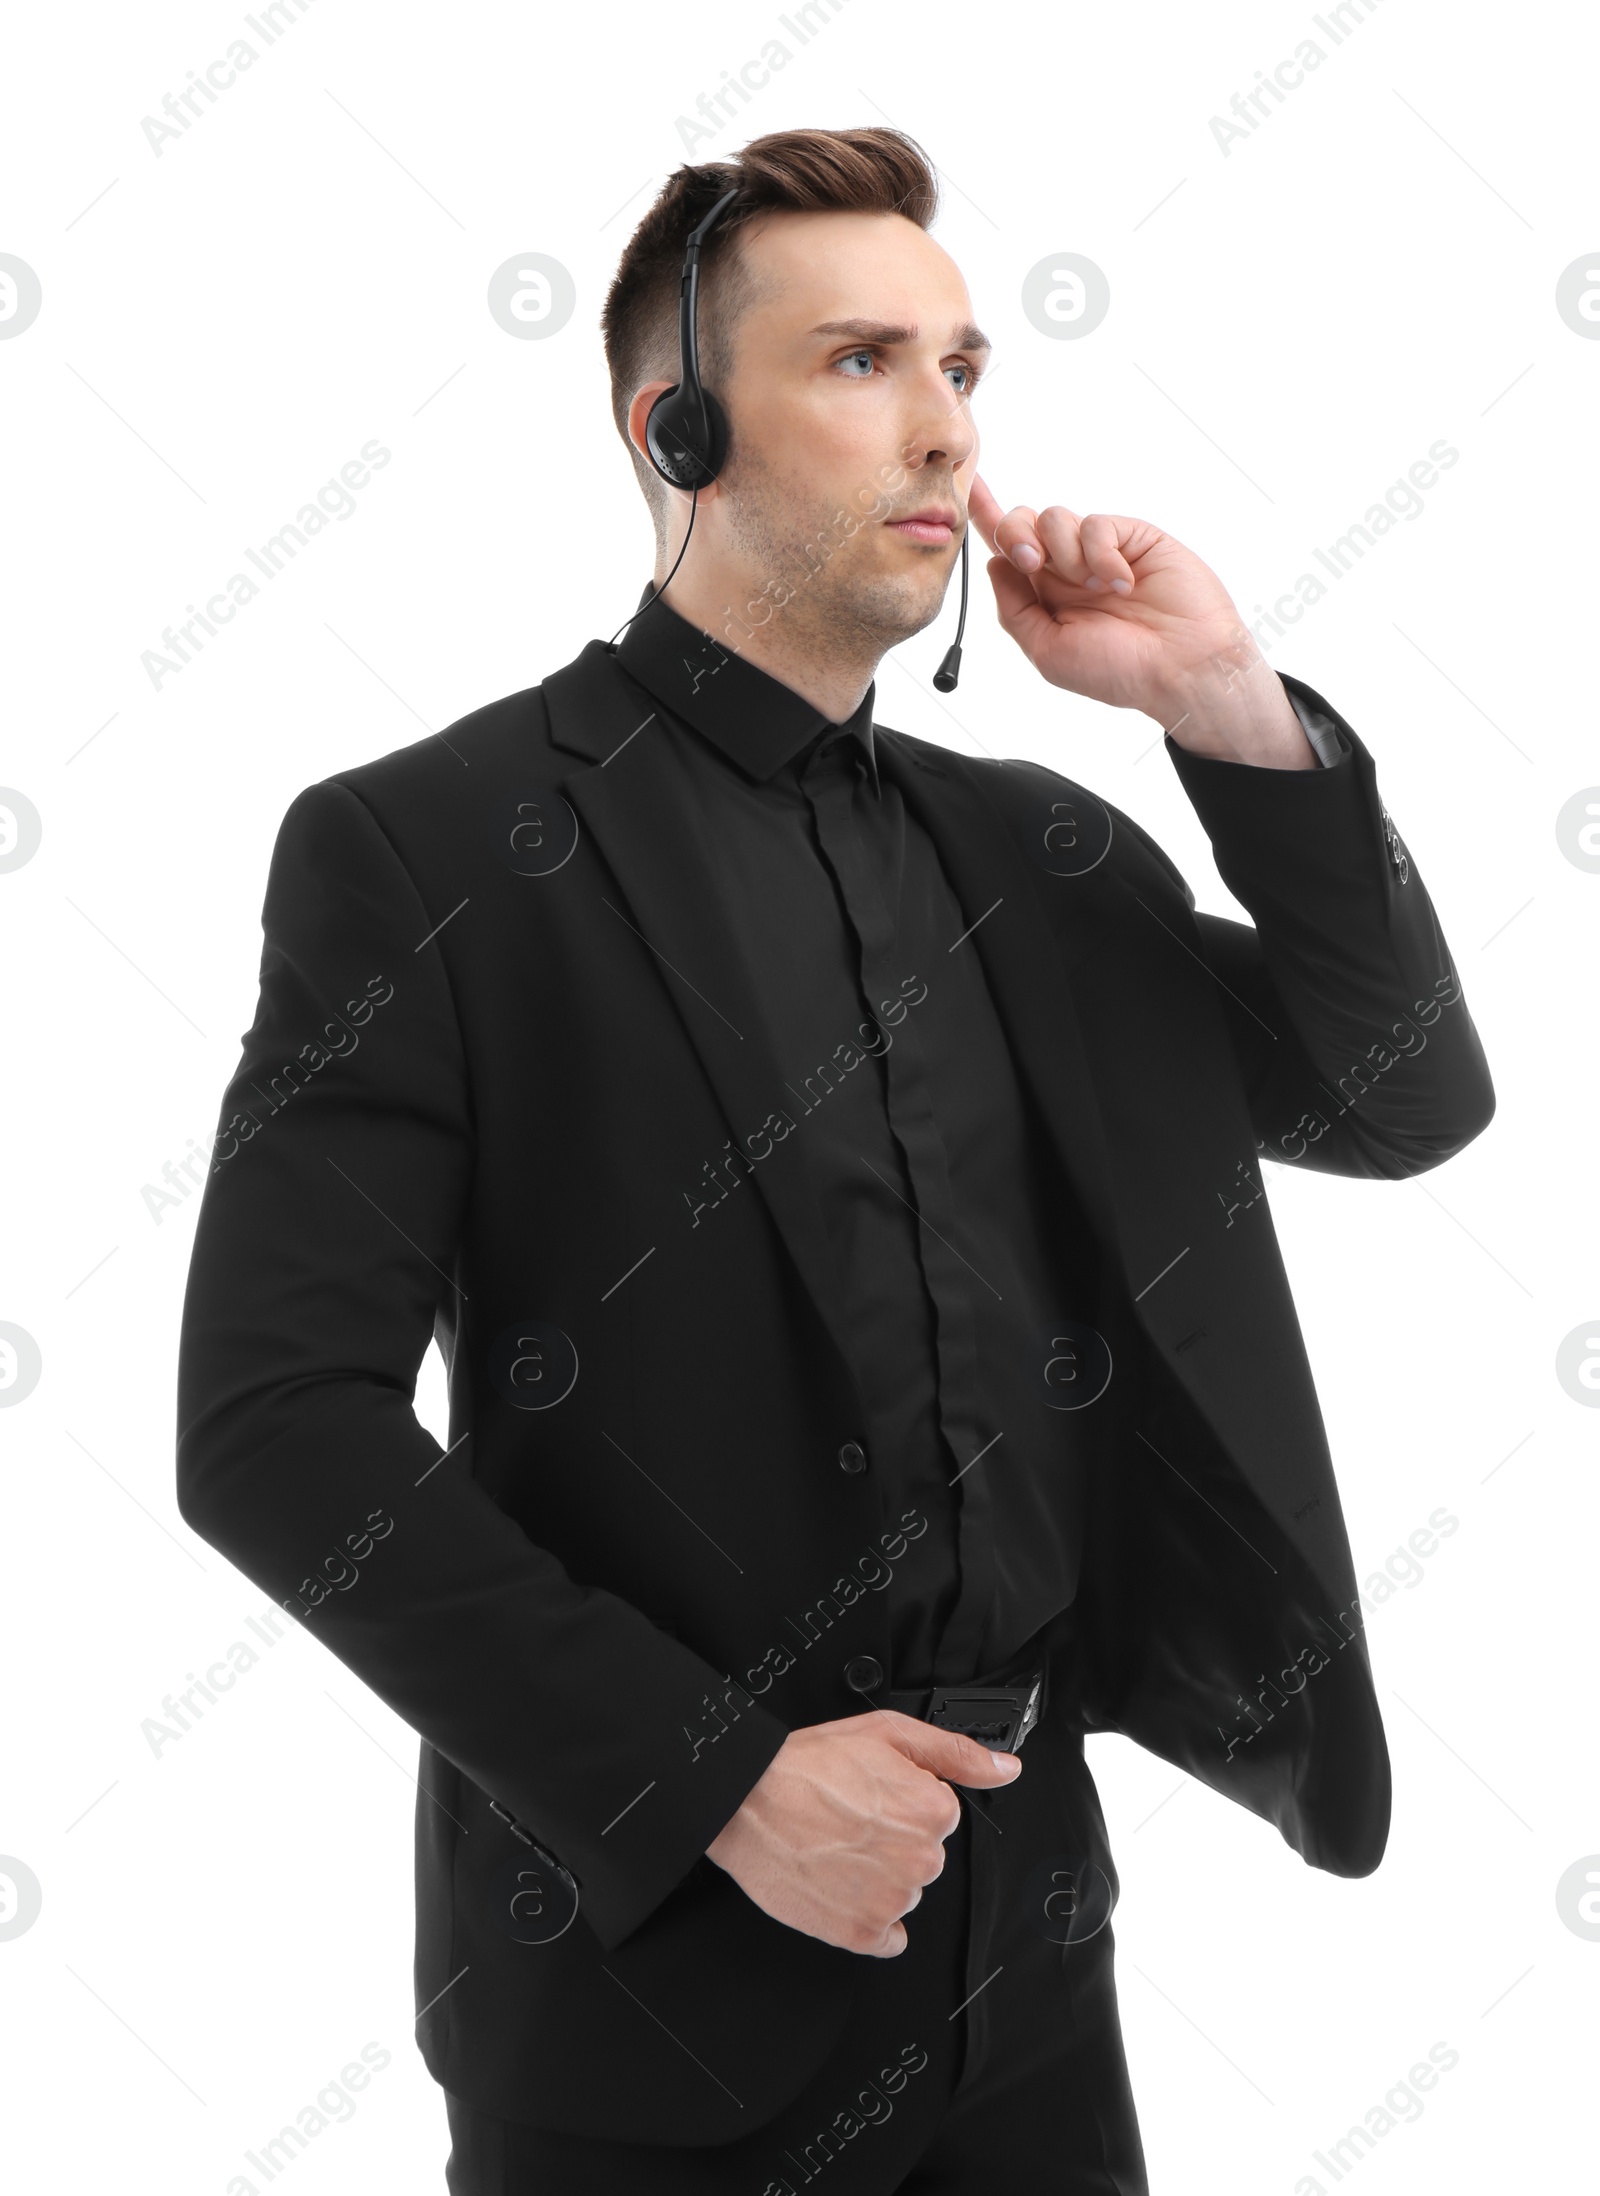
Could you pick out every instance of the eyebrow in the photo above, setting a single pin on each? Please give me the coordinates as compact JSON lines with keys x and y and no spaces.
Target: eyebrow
{"x":969,"y":338}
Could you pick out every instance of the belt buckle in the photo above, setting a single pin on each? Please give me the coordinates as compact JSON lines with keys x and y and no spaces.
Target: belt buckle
{"x":999,"y":1716}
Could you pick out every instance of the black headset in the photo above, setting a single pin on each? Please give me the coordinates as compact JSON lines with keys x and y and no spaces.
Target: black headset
{"x":686,"y":432}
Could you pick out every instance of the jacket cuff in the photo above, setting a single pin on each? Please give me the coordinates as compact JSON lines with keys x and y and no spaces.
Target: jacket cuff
{"x":1287,"y":839}
{"x":615,"y":1903}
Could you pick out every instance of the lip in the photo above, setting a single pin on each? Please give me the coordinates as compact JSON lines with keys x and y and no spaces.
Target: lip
{"x":932,"y":525}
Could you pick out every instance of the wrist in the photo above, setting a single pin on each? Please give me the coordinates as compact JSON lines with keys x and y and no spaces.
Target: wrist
{"x":1233,"y":707}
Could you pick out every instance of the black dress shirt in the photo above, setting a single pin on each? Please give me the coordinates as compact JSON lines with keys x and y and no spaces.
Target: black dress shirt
{"x":970,"y":1280}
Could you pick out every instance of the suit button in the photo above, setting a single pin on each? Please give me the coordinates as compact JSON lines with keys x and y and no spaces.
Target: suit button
{"x":853,"y":1457}
{"x":863,"y":1673}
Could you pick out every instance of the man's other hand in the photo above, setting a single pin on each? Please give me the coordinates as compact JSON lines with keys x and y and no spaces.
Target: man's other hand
{"x":848,"y":1825}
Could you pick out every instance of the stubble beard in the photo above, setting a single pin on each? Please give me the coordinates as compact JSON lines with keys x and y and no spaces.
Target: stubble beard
{"x":839,"y":611}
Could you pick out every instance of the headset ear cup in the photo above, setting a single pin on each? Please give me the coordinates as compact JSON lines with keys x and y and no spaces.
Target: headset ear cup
{"x":672,"y":438}
{"x":717,"y":455}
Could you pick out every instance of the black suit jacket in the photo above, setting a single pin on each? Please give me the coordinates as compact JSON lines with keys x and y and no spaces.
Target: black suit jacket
{"x":500,"y":1032}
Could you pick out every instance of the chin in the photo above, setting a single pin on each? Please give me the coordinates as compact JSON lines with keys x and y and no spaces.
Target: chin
{"x":898,"y":603}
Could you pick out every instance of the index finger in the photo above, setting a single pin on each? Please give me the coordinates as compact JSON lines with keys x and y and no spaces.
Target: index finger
{"x":982,"y":509}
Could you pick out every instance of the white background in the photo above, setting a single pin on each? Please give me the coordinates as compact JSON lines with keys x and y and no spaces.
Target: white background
{"x":1292,"y":325}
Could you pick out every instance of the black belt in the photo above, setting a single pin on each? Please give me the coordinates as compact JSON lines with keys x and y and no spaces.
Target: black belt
{"x":997,"y":1713}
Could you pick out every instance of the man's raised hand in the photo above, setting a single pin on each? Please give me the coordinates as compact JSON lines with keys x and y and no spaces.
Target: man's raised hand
{"x":1114,"y":608}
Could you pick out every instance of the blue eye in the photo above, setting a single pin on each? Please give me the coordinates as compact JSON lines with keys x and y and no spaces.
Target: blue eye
{"x":867,"y":355}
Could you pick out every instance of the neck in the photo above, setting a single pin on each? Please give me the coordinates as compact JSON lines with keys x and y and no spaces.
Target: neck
{"x":831,"y":669}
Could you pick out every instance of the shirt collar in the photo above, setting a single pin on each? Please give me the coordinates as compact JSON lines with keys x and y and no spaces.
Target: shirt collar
{"x":754,"y":719}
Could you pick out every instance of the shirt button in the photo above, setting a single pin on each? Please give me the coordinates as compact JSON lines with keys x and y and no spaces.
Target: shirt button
{"x":852,"y":1457}
{"x":863,"y":1673}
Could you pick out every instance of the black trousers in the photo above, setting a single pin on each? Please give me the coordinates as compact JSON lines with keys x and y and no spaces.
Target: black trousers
{"x":987,"y":2055}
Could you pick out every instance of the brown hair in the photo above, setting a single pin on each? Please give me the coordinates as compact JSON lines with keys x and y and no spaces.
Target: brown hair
{"x":800,"y":171}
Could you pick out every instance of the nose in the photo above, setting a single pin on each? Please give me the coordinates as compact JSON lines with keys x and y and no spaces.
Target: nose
{"x":944,"y":433}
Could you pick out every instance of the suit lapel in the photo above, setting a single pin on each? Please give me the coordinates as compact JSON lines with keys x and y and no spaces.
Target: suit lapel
{"x":1021,"y":961}
{"x":632,"y":800}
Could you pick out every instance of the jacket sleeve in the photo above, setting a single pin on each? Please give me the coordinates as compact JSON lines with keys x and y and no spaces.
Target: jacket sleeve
{"x":1345,"y":1010}
{"x":328,"y":1245}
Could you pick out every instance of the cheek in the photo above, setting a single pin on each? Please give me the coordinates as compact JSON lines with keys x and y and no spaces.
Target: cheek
{"x":867,"y":467}
{"x":852,"y":442}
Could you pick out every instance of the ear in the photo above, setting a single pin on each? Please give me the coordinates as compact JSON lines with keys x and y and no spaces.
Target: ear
{"x":639,"y":412}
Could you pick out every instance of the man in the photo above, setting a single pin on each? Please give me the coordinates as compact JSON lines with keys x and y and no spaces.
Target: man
{"x":830,"y":1167}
